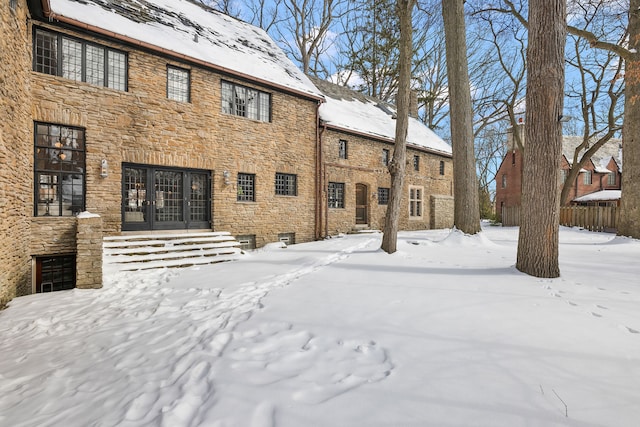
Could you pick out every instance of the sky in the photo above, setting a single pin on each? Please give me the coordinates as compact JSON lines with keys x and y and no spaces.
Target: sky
{"x":445,"y":332}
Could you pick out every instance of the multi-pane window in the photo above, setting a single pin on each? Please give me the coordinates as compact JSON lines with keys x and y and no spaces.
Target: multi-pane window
{"x":587,"y":177}
{"x":342,"y":149}
{"x":385,"y":157}
{"x":415,"y":202}
{"x":504,"y":180}
{"x":55,"y":273}
{"x":611,"y":178}
{"x":441,"y":167}
{"x":78,"y":60}
{"x":286,"y":184}
{"x":59,"y":170}
{"x":336,"y":195}
{"x":383,"y":196}
{"x":564,"y":174}
{"x":178,"y":82}
{"x":246,"y":187}
{"x":416,"y":163}
{"x":246,"y":102}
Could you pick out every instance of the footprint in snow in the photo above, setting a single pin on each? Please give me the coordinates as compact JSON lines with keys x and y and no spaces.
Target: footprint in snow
{"x":630,"y":330}
{"x":594,"y":314}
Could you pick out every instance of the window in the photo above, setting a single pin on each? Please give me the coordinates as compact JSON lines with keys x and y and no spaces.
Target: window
{"x":286,"y":184}
{"x":385,"y":157}
{"x":178,"y":84}
{"x":55,"y":273}
{"x":415,"y":202}
{"x":441,"y":167}
{"x":336,"y":195}
{"x":564,"y":173}
{"x":59,"y":170}
{"x":13,"y":4}
{"x":611,"y":178}
{"x":513,"y":158}
{"x":383,"y":196}
{"x":416,"y":163}
{"x":245,"y":102}
{"x":246,"y":187}
{"x":287,"y":238}
{"x":247,"y":241}
{"x":78,"y":60}
{"x":504,"y":180}
{"x":587,"y":177}
{"x":342,"y":149}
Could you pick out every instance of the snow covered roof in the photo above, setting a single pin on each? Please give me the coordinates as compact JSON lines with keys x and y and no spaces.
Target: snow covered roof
{"x":611,"y":149}
{"x":599,"y":196}
{"x":190,"y":31}
{"x":354,"y":112}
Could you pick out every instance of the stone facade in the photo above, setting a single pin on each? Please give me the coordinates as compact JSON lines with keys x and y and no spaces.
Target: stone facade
{"x":364,"y":165}
{"x":142,"y":126}
{"x":15,"y":152}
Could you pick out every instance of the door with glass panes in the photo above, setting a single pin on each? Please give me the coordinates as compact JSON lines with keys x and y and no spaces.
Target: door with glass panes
{"x":158,"y":198}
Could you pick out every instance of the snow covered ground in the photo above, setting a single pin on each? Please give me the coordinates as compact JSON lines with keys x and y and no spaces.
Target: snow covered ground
{"x":336,"y":333}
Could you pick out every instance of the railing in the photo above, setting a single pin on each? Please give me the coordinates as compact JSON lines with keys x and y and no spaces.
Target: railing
{"x":592,"y":218}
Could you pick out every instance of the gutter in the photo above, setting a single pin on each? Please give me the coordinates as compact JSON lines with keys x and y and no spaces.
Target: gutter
{"x":52,"y":16}
{"x":320,"y":210}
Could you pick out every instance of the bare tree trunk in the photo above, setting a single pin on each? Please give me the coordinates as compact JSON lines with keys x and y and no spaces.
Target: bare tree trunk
{"x":398,"y":164}
{"x":629,"y":224}
{"x":540,"y":222}
{"x":465,"y":181}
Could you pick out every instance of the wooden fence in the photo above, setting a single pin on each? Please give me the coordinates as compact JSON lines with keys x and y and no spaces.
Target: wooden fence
{"x":592,"y":218}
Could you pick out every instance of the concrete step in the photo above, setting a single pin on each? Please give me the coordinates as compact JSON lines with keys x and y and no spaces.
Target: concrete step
{"x":148,"y":251}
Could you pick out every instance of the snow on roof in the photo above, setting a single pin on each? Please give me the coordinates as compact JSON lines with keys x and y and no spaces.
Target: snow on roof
{"x":611,"y":149}
{"x":599,"y":196}
{"x":192,"y":30}
{"x":353,"y":111}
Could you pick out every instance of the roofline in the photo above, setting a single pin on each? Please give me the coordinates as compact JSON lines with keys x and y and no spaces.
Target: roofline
{"x":383,"y":139}
{"x":46,"y":8}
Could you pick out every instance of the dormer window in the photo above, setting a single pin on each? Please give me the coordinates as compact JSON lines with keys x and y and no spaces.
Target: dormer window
{"x":246,"y":102}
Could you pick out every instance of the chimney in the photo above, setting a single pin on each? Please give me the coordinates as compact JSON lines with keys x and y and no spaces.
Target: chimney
{"x":413,"y":103}
{"x":512,"y":142}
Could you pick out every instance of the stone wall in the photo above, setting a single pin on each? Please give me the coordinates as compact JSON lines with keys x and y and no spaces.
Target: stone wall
{"x":364,"y":165}
{"x":89,"y":251}
{"x":143,"y":126}
{"x":442,"y":211}
{"x":16,"y":148}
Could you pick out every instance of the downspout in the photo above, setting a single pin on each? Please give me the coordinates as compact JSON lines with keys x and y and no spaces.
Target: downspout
{"x":320,"y":215}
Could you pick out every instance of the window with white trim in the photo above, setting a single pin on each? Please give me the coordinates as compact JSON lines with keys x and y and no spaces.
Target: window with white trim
{"x":611,"y":178}
{"x":416,"y":163}
{"x":75,"y":59}
{"x":245,"y":102}
{"x":415,"y":202}
{"x":587,"y":177}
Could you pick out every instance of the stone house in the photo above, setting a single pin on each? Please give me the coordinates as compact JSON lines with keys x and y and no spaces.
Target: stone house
{"x":153,"y":115}
{"x":601,"y":174}
{"x":357,"y":135}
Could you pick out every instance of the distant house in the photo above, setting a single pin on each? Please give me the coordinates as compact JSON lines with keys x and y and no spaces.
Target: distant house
{"x":598,"y":182}
{"x":357,"y":134}
{"x":166,"y":116}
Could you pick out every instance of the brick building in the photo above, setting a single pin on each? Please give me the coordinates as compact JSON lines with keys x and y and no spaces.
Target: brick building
{"x":599,"y":175}
{"x":150,"y":115}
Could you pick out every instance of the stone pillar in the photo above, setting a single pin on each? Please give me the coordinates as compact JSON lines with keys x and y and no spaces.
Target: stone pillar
{"x":89,"y":251}
{"x":441,"y":211}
